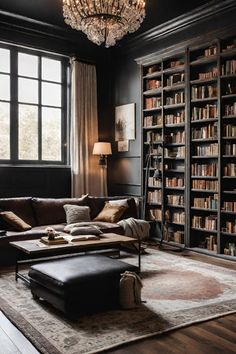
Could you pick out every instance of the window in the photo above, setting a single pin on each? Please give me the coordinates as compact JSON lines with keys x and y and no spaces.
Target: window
{"x":33,"y":107}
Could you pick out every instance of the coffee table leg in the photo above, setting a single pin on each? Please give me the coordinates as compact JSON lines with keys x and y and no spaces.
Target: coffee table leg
{"x":16,"y":267}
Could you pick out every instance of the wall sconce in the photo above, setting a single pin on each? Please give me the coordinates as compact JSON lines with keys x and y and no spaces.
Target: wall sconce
{"x":103,"y":149}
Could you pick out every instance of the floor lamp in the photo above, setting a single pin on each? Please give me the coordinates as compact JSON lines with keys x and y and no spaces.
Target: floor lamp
{"x":102,"y":149}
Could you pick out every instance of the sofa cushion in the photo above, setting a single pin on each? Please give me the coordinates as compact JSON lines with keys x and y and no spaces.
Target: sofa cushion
{"x":97,"y":204}
{"x":111,"y":213}
{"x":76,"y":213}
{"x":50,"y":211}
{"x":14,"y":221}
{"x":19,"y":206}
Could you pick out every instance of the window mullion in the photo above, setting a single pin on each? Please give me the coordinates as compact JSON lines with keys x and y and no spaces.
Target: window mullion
{"x":14,"y":106}
{"x":40,"y":110}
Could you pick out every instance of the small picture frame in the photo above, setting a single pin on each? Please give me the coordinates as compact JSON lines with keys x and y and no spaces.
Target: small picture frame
{"x":123,"y":146}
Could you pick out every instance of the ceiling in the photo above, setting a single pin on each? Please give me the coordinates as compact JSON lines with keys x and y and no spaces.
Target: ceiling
{"x":50,"y":11}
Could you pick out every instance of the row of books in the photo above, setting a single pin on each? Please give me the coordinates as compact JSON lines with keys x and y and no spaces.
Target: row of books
{"x":153,"y":182}
{"x":205,"y":184}
{"x":152,"y":120}
{"x":230,"y":109}
{"x":153,"y":84}
{"x":206,"y":132}
{"x":154,"y":137}
{"x":152,"y":102}
{"x":230,"y":227}
{"x":205,"y":222}
{"x":175,"y":79}
{"x":207,"y":150}
{"x":175,"y":152}
{"x":155,"y":214}
{"x":229,"y":206}
{"x":175,"y":199}
{"x":177,"y":118}
{"x":229,"y":67}
{"x":178,"y":217}
{"x":174,"y":236}
{"x":209,"y":243}
{"x":230,"y":149}
{"x":230,"y":130}
{"x":174,"y":182}
{"x":207,"y":112}
{"x":154,"y":196}
{"x":176,"y":137}
{"x":177,"y":98}
{"x":154,"y":68}
{"x":209,"y":74}
{"x":175,"y":63}
{"x":199,"y":92}
{"x":230,"y":169}
{"x":210,"y":202}
{"x":210,"y":169}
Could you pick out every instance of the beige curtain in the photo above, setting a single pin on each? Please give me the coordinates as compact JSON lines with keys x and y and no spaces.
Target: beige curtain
{"x":86,"y":174}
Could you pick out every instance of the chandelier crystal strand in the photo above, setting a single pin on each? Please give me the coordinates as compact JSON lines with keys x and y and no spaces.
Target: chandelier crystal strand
{"x":104,"y":21}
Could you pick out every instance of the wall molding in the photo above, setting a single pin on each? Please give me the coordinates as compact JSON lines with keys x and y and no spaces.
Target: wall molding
{"x":201,"y":13}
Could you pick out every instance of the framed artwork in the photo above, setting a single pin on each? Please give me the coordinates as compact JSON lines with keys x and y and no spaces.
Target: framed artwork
{"x":125,"y":122}
{"x":123,"y":146}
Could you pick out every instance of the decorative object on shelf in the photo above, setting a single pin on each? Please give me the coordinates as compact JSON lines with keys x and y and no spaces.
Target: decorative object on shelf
{"x":125,"y":122}
{"x":123,"y":146}
{"x":103,"y":149}
{"x":104,"y":21}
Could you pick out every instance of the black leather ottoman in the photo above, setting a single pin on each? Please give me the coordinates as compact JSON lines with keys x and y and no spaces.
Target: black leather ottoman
{"x":77,"y":285}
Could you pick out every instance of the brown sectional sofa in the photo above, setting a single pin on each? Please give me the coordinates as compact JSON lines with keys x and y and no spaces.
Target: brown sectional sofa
{"x":43,"y":212}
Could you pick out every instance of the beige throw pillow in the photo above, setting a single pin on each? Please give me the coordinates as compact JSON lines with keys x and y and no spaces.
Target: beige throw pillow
{"x":111,"y":213}
{"x":76,"y":213}
{"x":15,"y":221}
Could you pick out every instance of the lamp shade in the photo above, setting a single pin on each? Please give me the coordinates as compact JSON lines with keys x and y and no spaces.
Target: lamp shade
{"x":102,"y":148}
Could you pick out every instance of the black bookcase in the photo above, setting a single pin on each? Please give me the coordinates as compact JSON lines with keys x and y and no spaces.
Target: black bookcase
{"x":189,"y":144}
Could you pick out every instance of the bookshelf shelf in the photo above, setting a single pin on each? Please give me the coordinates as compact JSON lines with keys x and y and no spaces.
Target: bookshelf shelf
{"x":207,"y":191}
{"x":202,"y":121}
{"x":207,"y":99}
{"x":196,"y":93}
{"x":205,"y":210}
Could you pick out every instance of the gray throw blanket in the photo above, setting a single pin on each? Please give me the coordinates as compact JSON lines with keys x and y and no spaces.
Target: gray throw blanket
{"x":135,"y":228}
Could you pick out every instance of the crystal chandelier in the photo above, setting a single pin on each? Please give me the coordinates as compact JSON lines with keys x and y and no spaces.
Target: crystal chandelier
{"x":104,"y":21}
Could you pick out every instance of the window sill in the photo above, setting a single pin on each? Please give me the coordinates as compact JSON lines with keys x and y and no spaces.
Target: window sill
{"x":34,"y":166}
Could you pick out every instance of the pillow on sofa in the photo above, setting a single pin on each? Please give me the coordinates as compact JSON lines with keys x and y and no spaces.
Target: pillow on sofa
{"x":15,"y":222}
{"x":76,"y":213}
{"x":50,"y":211}
{"x":123,"y":202}
{"x":111,"y":213}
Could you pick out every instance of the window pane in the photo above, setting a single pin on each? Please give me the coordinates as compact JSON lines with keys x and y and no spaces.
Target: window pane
{"x":28,"y":91}
{"x":5,"y":87}
{"x":4,"y":131}
{"x":28,"y":132}
{"x":51,"y":70}
{"x":51,"y":94}
{"x":27,"y":65}
{"x":51,"y":134}
{"x":4,"y":60}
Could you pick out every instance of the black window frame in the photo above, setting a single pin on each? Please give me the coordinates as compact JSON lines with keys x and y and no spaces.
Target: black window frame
{"x":14,"y":105}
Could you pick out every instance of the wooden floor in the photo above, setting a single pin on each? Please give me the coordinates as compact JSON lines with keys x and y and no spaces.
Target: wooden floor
{"x":211,"y":337}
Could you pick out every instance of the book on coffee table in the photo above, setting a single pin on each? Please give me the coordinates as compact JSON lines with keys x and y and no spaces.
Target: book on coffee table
{"x":58,"y":240}
{"x":77,"y":238}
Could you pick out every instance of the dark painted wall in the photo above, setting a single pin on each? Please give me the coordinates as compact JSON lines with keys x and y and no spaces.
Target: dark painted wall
{"x":125,"y":170}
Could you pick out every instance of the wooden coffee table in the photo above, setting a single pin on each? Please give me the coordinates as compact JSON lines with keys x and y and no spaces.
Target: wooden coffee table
{"x":34,"y":250}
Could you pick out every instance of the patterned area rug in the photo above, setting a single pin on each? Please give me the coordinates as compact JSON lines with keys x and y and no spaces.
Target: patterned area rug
{"x":177,"y":292}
